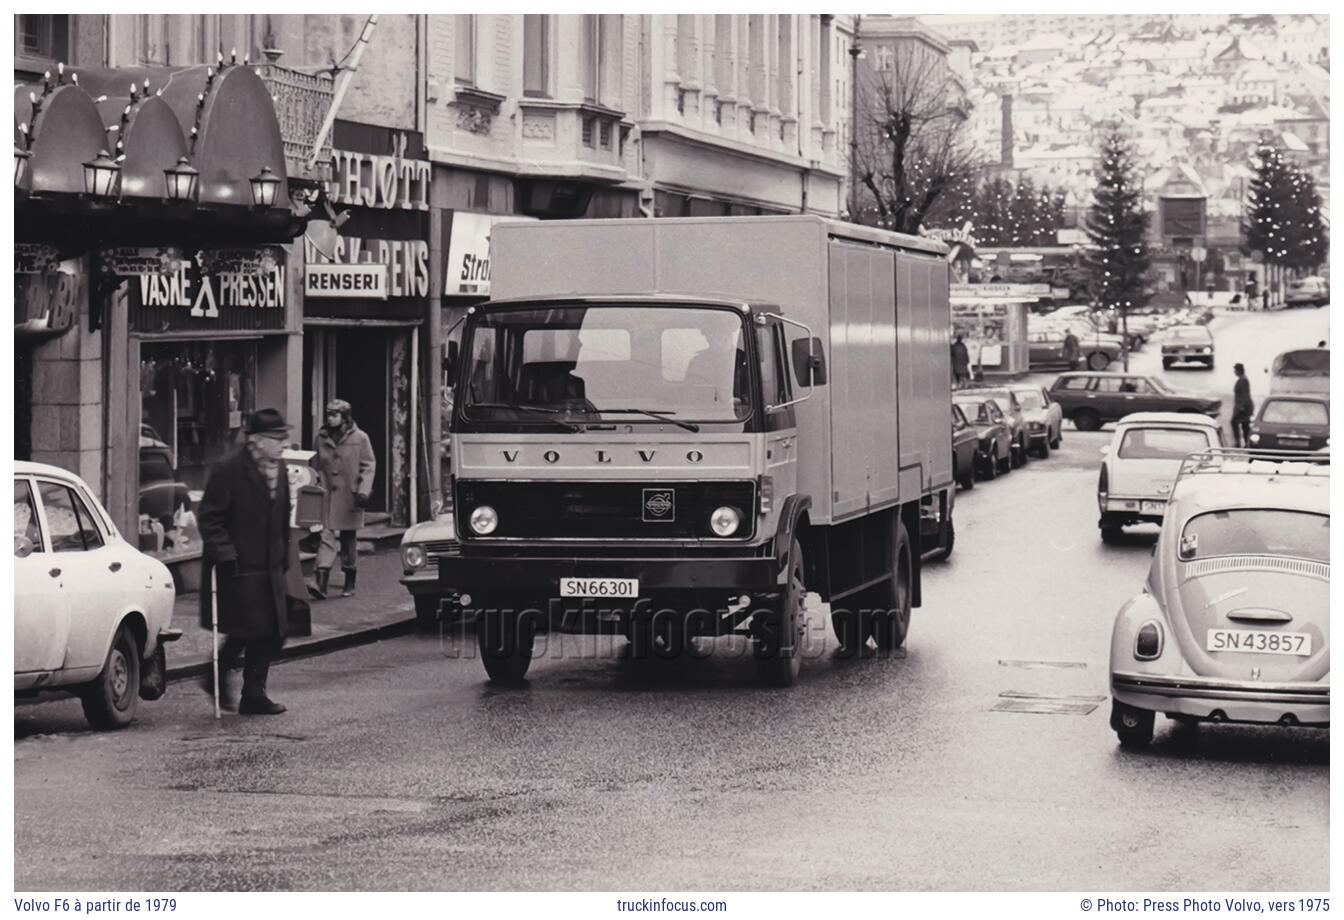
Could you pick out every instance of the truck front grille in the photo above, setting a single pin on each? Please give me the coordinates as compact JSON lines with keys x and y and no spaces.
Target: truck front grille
{"x":606,"y":510}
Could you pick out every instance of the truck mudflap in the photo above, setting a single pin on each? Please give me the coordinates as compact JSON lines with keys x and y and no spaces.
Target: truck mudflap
{"x":540,"y":576}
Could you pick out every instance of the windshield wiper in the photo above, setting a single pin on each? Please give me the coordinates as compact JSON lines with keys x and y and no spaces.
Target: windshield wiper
{"x":661,"y":416}
{"x":545,"y":412}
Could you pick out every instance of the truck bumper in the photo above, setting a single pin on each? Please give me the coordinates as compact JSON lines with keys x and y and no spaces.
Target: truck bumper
{"x":540,"y":576}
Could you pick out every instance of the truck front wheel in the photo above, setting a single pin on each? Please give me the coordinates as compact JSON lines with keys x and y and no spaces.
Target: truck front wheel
{"x":505,"y":638}
{"x":779,"y":639}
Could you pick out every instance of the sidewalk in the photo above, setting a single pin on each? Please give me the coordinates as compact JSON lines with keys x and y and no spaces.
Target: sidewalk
{"x":381,"y":609}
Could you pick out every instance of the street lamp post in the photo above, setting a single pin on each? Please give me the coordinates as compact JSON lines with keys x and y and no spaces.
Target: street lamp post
{"x":855,"y":52}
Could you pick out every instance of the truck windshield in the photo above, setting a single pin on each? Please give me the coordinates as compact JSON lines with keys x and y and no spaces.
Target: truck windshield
{"x":584,"y":361}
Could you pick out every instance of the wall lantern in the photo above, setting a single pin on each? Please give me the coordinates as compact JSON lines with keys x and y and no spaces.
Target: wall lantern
{"x":21,"y":158}
{"x":102,"y":177}
{"x":264,"y":186}
{"x":181,"y":180}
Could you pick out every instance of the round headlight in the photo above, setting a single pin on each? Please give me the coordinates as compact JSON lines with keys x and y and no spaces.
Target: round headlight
{"x":484,"y":520}
{"x":413,"y":556}
{"x":724,"y":521}
{"x":1255,"y":438}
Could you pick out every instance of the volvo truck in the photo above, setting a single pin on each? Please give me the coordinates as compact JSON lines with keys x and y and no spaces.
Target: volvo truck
{"x":671,"y":428}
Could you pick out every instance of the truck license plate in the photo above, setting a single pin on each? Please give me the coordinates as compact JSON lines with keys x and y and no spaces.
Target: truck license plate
{"x":1258,"y":640}
{"x":599,"y":587}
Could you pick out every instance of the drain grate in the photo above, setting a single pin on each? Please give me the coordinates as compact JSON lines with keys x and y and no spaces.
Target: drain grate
{"x":1014,"y":663}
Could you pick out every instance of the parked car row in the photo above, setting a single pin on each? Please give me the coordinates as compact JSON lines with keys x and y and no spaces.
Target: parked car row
{"x":995,"y":429}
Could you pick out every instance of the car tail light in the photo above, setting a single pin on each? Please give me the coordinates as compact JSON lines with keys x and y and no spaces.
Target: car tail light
{"x":1148,"y":642}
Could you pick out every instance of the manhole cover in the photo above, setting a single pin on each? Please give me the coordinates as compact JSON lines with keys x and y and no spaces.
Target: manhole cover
{"x":1013,"y":663}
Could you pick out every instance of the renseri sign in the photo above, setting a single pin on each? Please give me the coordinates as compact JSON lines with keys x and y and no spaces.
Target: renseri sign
{"x":404,"y":265}
{"x":334,"y":279}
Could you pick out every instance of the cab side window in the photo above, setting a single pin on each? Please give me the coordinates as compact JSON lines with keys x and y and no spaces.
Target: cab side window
{"x":72,"y":525}
{"x":25,"y":515}
{"x":774,"y":369}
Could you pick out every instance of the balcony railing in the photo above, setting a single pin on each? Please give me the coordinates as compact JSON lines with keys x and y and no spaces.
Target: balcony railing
{"x":301,"y":103}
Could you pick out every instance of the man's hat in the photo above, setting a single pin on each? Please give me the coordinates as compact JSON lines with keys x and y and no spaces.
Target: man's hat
{"x":268,"y":422}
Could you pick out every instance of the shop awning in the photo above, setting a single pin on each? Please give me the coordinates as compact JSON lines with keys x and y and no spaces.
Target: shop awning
{"x":221,"y":119}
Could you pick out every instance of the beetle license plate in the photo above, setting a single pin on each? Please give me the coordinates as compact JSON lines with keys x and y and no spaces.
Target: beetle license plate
{"x":1153,"y":508}
{"x":599,"y":587}
{"x":1259,"y":641}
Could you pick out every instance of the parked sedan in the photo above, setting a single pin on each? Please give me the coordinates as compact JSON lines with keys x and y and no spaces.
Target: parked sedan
{"x":1091,"y":399}
{"x":1312,"y":290}
{"x":1045,"y":419}
{"x":91,"y":612}
{"x":965,"y":449}
{"x":1233,"y":622}
{"x":1292,"y":423}
{"x":1140,"y":464}
{"x":1191,"y":344}
{"x":1012,"y":411}
{"x":996,"y":444}
{"x":1096,"y":350}
{"x":422,"y":545}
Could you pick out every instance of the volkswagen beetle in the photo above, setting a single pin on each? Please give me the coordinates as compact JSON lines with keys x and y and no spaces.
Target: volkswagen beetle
{"x":1233,"y":624}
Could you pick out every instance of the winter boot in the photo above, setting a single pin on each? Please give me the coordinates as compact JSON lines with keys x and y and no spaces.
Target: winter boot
{"x":349,"y":589}
{"x":320,"y":592}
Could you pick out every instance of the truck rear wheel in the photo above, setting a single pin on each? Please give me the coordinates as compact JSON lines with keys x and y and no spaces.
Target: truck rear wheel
{"x":779,"y":640}
{"x":505,"y":637}
{"x":890,"y":619}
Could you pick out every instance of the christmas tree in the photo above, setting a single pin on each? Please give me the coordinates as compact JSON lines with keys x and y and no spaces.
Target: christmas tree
{"x":1025,"y":219}
{"x":1118,"y":228}
{"x":1308,"y":240}
{"x":1270,"y":201}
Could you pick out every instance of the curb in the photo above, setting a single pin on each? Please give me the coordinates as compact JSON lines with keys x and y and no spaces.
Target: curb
{"x":314,"y":647}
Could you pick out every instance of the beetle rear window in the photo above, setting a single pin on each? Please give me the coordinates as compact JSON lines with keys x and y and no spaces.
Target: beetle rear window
{"x":1257,"y":532}
{"x":1162,"y":443}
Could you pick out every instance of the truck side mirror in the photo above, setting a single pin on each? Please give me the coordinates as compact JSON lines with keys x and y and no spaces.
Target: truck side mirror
{"x":809,"y":364}
{"x":450,"y":358}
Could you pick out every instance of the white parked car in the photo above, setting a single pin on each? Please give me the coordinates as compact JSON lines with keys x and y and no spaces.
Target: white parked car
{"x":422,"y":546}
{"x":1140,"y":465}
{"x":91,"y":612}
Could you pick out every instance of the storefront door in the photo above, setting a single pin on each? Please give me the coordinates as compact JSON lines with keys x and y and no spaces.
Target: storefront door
{"x":362,"y":381}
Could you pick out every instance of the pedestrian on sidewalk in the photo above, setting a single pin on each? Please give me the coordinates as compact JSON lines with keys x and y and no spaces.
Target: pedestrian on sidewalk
{"x":243,"y":520}
{"x":1242,"y":408}
{"x":961,"y":363}
{"x":345,"y":466}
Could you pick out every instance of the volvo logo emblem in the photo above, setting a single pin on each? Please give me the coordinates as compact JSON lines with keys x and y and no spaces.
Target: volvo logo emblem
{"x":659,"y":505}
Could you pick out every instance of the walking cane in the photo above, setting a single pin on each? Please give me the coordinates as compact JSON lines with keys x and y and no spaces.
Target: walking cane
{"x":214,"y":635}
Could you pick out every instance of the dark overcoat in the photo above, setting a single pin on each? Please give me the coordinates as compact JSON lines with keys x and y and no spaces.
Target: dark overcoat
{"x":346,"y":467}
{"x":240,"y":522}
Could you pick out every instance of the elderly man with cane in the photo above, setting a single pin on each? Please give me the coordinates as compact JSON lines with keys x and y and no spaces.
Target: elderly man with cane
{"x":244,"y":524}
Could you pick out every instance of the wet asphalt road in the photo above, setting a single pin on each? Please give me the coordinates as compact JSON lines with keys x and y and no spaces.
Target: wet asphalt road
{"x":397,"y":767}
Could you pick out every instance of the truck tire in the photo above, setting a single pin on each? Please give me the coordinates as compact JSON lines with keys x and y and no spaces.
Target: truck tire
{"x":505,"y":638}
{"x":890,"y":621}
{"x":779,"y":640}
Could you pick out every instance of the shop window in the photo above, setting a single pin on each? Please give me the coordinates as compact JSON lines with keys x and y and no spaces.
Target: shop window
{"x":193,"y":399}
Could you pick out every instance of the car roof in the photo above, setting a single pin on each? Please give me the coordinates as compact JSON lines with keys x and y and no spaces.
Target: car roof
{"x":28,"y":468}
{"x":1230,"y":481}
{"x":1298,"y":397}
{"x":1188,"y":419}
{"x":1071,"y":374}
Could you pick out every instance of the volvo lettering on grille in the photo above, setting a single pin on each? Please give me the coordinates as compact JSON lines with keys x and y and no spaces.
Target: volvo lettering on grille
{"x":660,"y":505}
